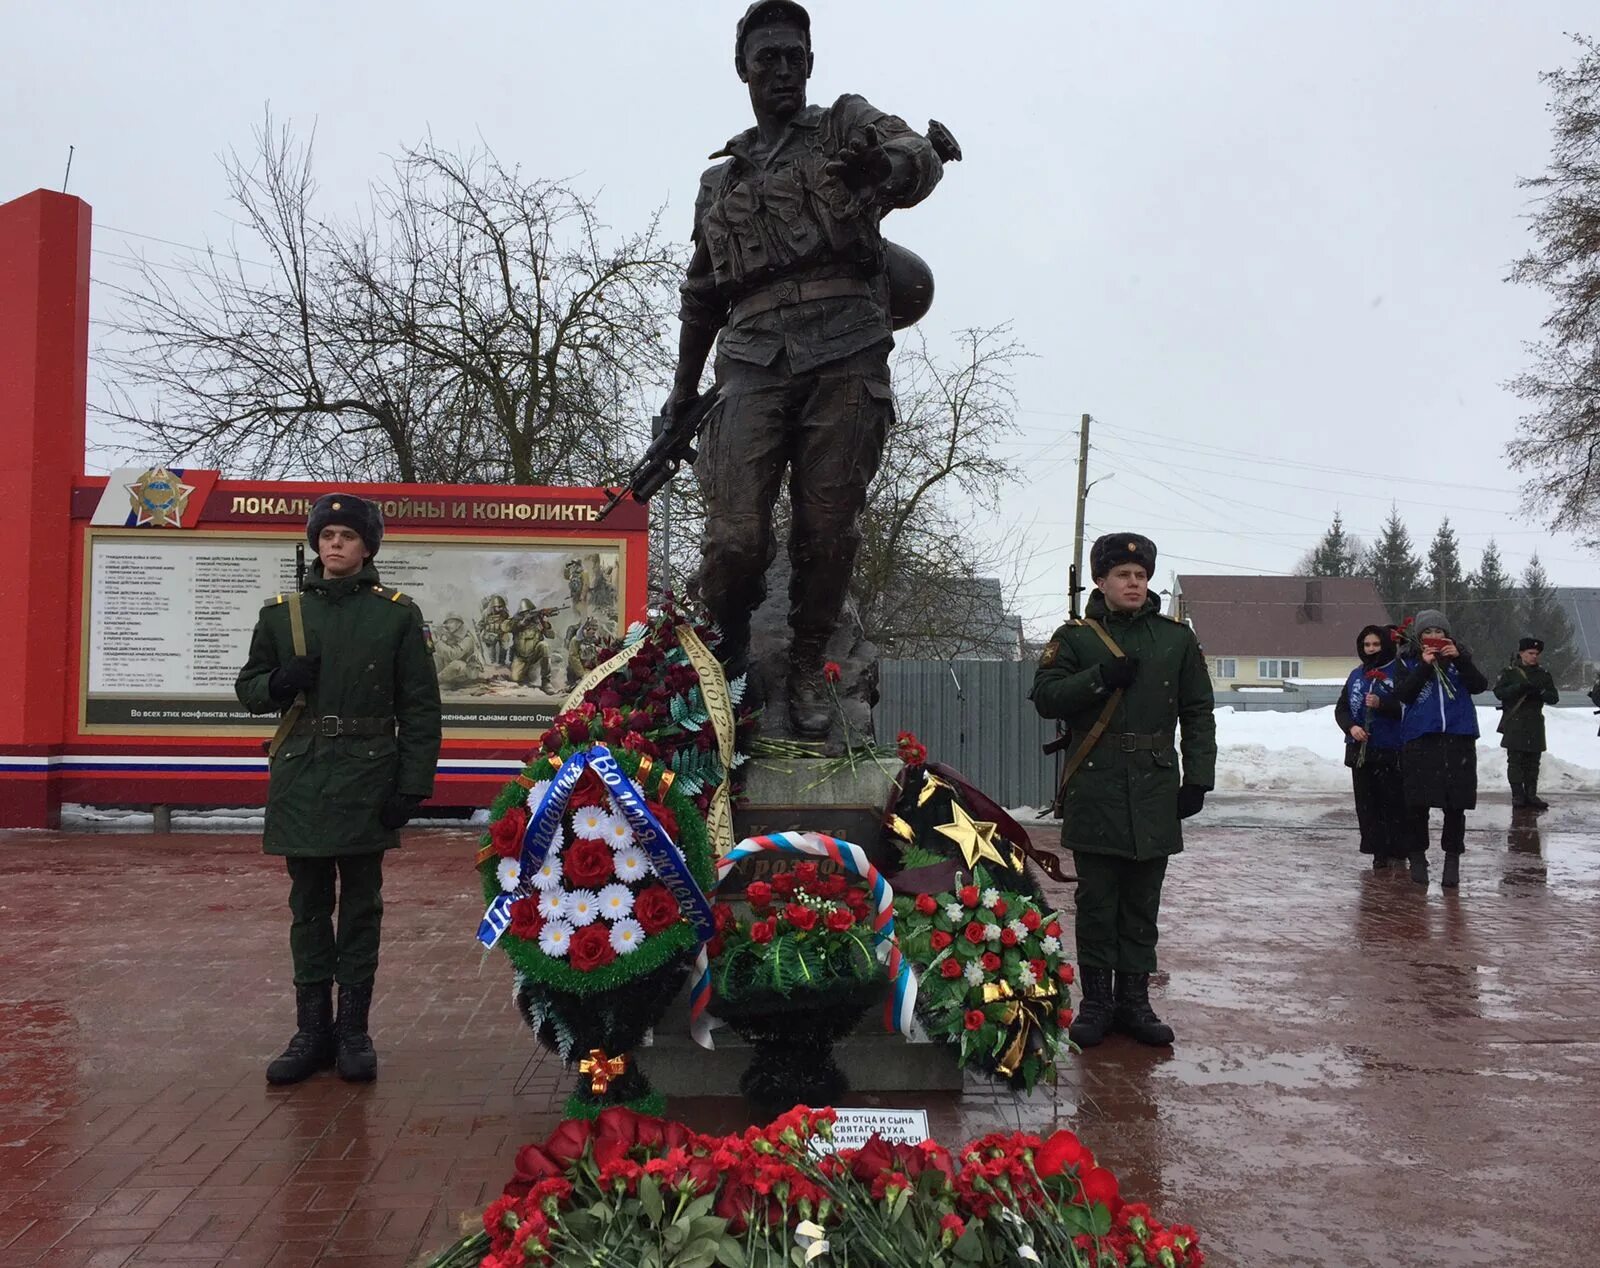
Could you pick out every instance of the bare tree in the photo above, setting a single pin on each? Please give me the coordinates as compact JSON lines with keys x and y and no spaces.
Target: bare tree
{"x":1559,"y":441}
{"x":470,"y":325}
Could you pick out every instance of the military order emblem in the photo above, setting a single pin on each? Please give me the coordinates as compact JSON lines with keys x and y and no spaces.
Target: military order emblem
{"x":1051,"y":650}
{"x":158,"y":498}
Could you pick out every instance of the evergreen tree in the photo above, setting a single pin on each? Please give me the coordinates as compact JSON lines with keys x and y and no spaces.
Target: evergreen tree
{"x":1393,"y":567}
{"x":1543,"y":617}
{"x":1490,"y":621}
{"x":1338,"y":554}
{"x":1446,"y":584}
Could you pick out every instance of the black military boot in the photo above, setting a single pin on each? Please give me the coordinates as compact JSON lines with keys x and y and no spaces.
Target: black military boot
{"x":1092,"y":1022}
{"x":312,"y":1047}
{"x":1452,"y":871}
{"x":810,"y":705}
{"x":358,"y":1060}
{"x":1134,"y":1016}
{"x":1519,"y":795}
{"x":1380,"y":862}
{"x":1419,"y":866}
{"x":1531,"y":791}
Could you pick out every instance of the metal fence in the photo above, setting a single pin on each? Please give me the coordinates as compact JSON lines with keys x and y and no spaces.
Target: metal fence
{"x":975,"y":715}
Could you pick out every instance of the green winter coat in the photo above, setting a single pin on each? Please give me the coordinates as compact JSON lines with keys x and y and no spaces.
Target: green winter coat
{"x":1125,"y":803}
{"x":324,"y":793}
{"x":1524,"y":691}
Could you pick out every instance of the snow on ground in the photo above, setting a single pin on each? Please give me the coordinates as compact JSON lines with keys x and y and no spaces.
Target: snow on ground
{"x":1262,"y":751}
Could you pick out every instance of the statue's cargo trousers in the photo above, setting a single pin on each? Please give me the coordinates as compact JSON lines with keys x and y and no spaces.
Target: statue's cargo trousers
{"x":349,"y":956}
{"x":1119,"y":900}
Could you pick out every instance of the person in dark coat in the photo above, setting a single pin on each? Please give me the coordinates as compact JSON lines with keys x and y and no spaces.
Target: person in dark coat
{"x":1439,"y":763}
{"x":1133,"y":784}
{"x":1523,"y":689}
{"x":1370,"y":718}
{"x":352,"y":768}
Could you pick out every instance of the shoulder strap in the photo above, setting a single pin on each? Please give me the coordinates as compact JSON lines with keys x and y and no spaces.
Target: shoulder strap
{"x":297,"y":637}
{"x":1096,"y":731}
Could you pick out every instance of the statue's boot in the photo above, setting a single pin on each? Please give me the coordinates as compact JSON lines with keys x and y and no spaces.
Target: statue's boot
{"x":811,"y":706}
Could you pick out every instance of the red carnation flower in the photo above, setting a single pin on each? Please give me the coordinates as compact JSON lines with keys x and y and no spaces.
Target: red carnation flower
{"x":974,"y":932}
{"x":975,"y":1018}
{"x":840,"y":919}
{"x":969,"y":895}
{"x":990,"y":962}
{"x":950,"y":967}
{"x":761,"y":931}
{"x":831,"y":671}
{"x":590,"y":947}
{"x":940,"y":940}
{"x":926,"y":904}
{"x":587,"y":864}
{"x":505,"y":833}
{"x":655,"y":909}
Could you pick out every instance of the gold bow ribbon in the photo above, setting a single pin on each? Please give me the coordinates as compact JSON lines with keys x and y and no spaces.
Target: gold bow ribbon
{"x":1024,"y":1010}
{"x":601,"y":1069}
{"x":719,"y":704}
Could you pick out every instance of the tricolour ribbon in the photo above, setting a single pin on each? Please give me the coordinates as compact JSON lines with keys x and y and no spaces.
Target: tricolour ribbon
{"x":648,"y":833}
{"x":902,"y":1002}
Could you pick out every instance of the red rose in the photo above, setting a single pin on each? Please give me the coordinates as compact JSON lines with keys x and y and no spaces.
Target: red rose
{"x":655,"y":909}
{"x":589,"y":792}
{"x":722,"y":917}
{"x":832,"y":886}
{"x":1101,"y":1186}
{"x":505,"y":833}
{"x":665,"y":817}
{"x":783,"y":884}
{"x":1053,"y":929}
{"x":715,"y":947}
{"x":926,"y":905}
{"x":760,"y":932}
{"x":1065,"y":973}
{"x":759,"y":894}
{"x":1063,"y":1017}
{"x":975,"y":1018}
{"x":974,"y":932}
{"x":590,"y":947}
{"x":1061,"y":1151}
{"x":532,"y":1165}
{"x":1008,"y":937}
{"x":806,"y":875}
{"x":831,"y":671}
{"x":1000,"y":908}
{"x":526,"y":922}
{"x":990,"y":962}
{"x":587,"y":864}
{"x":1031,"y":920}
{"x":802,"y":918}
{"x":1041,"y":970}
{"x":950,"y":968}
{"x":969,"y":895}
{"x":940,"y":940}
{"x":568,"y":1141}
{"x":840,"y":919}
{"x":871,"y":1160}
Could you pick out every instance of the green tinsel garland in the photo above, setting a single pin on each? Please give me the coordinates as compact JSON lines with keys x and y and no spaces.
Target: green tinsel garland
{"x":693,"y":842}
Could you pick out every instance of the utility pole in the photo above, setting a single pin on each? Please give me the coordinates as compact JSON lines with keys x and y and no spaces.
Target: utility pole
{"x":1077,"y":528}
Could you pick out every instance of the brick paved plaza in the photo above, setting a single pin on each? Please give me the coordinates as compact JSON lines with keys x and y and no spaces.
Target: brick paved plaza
{"x":1365,"y":1074}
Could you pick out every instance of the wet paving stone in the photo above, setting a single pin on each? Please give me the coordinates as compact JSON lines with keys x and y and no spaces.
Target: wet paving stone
{"x":1366,"y":1073}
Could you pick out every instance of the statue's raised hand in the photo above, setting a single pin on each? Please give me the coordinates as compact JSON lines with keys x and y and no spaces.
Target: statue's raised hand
{"x":863,"y":163}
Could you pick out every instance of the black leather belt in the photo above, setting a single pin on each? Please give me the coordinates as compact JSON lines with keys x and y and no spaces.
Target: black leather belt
{"x":782,"y":294}
{"x":1134,"y":741}
{"x":331,"y":725}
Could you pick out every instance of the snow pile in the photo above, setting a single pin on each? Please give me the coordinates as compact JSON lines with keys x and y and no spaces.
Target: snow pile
{"x":1263,"y":751}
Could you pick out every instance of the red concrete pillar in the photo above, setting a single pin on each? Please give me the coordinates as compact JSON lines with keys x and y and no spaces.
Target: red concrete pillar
{"x":44,"y":368}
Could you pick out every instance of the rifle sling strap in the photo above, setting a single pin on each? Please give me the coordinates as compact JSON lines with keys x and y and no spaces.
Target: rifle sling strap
{"x":297,"y":636}
{"x":1096,"y":731}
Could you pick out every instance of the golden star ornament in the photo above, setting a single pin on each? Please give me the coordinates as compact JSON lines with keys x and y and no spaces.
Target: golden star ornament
{"x":974,"y":836}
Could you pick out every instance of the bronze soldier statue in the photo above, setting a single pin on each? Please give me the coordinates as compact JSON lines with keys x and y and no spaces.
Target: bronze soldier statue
{"x":790,"y":267}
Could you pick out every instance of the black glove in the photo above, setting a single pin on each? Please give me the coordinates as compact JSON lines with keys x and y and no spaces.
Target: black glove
{"x":1120,"y":672}
{"x":1191,"y":797}
{"x":1532,"y":692}
{"x":397,"y":811}
{"x":297,"y":675}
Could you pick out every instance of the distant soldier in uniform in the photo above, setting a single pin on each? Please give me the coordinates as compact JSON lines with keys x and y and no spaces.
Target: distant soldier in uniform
{"x":456,"y":656}
{"x":572,"y":574}
{"x":583,"y":649}
{"x":355,"y":761}
{"x":789,"y":265}
{"x":494,"y":631}
{"x":1125,"y":794}
{"x":530,"y":648}
{"x":1524,"y":688}
{"x":600,"y":594}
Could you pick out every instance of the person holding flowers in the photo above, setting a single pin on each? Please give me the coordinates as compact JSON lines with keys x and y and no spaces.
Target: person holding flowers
{"x":1370,"y":718}
{"x":1439,"y":762}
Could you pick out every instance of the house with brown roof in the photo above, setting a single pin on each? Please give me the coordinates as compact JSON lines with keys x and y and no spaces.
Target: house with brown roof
{"x":1263,"y":631}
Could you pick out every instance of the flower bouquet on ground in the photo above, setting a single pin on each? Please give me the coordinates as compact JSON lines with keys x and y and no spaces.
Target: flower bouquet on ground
{"x":595,"y":867}
{"x":630,"y":1190}
{"x":793,"y":978}
{"x":993,"y":980}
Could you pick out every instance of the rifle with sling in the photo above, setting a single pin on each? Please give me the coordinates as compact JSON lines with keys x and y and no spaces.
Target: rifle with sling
{"x":297,"y":636}
{"x":1058,"y":806}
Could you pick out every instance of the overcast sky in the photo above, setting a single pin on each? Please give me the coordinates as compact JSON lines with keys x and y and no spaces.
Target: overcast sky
{"x":1262,"y":244}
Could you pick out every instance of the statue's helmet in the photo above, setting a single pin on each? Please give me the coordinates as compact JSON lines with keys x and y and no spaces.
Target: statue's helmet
{"x":768,"y":13}
{"x":910,"y":285}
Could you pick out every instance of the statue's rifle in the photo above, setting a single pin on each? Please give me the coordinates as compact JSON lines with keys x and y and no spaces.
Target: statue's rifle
{"x":672,"y":444}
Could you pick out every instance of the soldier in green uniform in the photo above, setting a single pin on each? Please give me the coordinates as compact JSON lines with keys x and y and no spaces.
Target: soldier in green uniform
{"x":352,"y":761}
{"x":1124,"y":794}
{"x":1523,"y":690}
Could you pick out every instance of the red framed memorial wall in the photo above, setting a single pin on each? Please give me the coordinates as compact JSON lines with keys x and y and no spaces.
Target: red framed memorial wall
{"x":130,"y":598}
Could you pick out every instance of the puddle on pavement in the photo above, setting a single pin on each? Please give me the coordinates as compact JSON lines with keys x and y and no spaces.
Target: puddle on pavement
{"x":1294,"y":1071}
